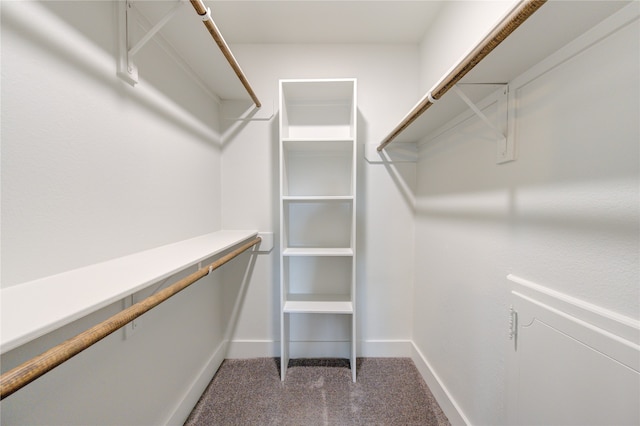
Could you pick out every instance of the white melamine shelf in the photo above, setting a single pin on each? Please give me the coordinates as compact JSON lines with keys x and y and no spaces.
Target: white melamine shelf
{"x":311,"y":141}
{"x":317,"y":198}
{"x":312,"y":91}
{"x":32,"y":309}
{"x":554,"y":25}
{"x":314,"y":251}
{"x":318,"y":146}
{"x":318,"y":304}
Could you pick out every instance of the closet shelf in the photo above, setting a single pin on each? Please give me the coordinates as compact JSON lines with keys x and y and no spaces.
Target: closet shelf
{"x":551,"y":27}
{"x":516,"y":17}
{"x":32,"y":309}
{"x":316,"y":251}
{"x":312,"y":140}
{"x":317,"y":145}
{"x":294,"y":198}
{"x":178,"y":29}
{"x":318,"y":304}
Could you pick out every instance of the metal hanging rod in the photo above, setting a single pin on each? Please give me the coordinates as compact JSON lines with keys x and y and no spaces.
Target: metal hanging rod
{"x":205,"y":14}
{"x":22,"y":375}
{"x":513,"y":20}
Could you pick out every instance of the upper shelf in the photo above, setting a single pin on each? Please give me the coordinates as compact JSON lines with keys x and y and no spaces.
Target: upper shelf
{"x":32,"y":309}
{"x":183,"y":31}
{"x":554,"y":25}
{"x":320,"y":109}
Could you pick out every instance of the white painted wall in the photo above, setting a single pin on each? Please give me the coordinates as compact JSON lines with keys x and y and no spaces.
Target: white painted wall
{"x":565,"y":215}
{"x":107,"y":170}
{"x":387,"y":86}
{"x":93,"y":169}
{"x":457,"y":28}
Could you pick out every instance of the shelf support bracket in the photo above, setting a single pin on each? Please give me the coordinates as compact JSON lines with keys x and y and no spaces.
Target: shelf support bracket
{"x":126,"y":65}
{"x":505,"y":151}
{"x":398,"y":153}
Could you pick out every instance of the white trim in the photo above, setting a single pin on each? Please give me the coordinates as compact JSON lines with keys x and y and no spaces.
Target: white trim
{"x":243,"y":349}
{"x":192,"y":395}
{"x":616,"y":324}
{"x":447,"y":402}
{"x":385,"y":348}
{"x":575,"y":323}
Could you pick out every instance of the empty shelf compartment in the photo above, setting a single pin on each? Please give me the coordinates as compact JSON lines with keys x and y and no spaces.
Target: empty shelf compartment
{"x":318,"y":304}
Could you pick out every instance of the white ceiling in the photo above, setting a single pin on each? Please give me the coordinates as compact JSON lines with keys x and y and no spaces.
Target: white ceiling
{"x":328,"y":21}
{"x":354,"y":21}
{"x":282,"y":21}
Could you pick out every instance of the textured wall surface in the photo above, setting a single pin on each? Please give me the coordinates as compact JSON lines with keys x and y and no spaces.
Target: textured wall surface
{"x":94,"y":169}
{"x":564,"y":214}
{"x":387,"y":86}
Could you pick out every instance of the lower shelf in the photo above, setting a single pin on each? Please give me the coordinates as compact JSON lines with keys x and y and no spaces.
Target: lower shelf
{"x":318,"y":304}
{"x":32,"y":309}
{"x":297,"y":251}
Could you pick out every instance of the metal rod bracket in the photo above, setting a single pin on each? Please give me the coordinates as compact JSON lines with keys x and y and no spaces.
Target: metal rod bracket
{"x":505,"y":151}
{"x":126,"y":68}
{"x":127,"y":20}
{"x":207,"y":15}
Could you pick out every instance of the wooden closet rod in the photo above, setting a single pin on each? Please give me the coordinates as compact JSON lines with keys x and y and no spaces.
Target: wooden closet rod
{"x":22,"y":375}
{"x":513,"y":20}
{"x":205,"y":14}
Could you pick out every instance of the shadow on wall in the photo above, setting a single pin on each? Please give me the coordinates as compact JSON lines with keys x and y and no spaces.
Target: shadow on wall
{"x":275,"y":209}
{"x":361,"y":224}
{"x":235,"y":281}
{"x":233,"y":277}
{"x":96,"y":21}
{"x":402,"y":172}
{"x":585,"y":192}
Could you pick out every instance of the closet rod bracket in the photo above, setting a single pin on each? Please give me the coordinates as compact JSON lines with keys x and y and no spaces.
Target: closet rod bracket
{"x":400,"y":152}
{"x":127,"y":21}
{"x":505,"y":151}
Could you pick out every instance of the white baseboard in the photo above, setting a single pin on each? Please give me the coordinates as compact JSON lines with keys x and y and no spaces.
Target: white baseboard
{"x":200,"y":383}
{"x":385,"y":348}
{"x":242,"y":349}
{"x":446,"y":401}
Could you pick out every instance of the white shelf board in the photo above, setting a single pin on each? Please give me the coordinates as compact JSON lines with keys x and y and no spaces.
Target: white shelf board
{"x":188,"y":42}
{"x":316,"y":251}
{"x":316,"y":145}
{"x":34,"y":308}
{"x":314,"y":139}
{"x":317,"y":198}
{"x":338,"y":89}
{"x":318,"y":304}
{"x":554,"y":25}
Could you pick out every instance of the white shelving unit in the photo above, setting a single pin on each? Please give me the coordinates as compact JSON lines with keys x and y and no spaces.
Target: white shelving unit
{"x":318,"y":217}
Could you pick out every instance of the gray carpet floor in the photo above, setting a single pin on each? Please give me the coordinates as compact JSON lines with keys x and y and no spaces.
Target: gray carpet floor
{"x":388,"y":391}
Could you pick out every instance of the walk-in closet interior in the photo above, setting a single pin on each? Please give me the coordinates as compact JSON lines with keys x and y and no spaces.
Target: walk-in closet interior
{"x":451,"y":187}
